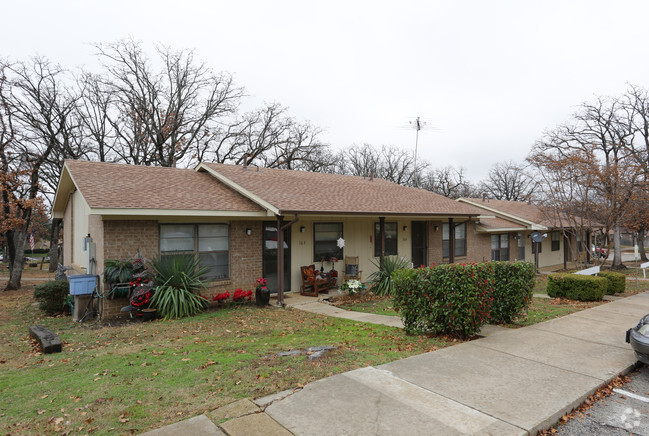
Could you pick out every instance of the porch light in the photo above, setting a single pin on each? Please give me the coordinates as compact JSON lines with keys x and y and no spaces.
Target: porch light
{"x":405,"y":228}
{"x":248,"y":231}
{"x":436,"y":228}
{"x":302,"y":229}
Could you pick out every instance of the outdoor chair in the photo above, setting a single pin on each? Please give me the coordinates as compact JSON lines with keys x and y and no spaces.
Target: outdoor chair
{"x":312,"y":281}
{"x":352,"y":271}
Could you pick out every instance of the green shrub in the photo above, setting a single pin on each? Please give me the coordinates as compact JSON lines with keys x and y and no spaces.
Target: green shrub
{"x":179,"y":281}
{"x":577,"y":287}
{"x":616,"y":282}
{"x":381,"y":280}
{"x":51,"y":296}
{"x":452,"y":299}
{"x":118,"y":271}
{"x":513,"y":290}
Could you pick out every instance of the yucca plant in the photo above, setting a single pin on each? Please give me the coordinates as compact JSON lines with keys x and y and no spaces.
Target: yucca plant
{"x":179,"y":280}
{"x":381,"y":279}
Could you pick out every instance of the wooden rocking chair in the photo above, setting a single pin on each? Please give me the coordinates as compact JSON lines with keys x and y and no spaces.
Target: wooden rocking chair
{"x":311,"y":285}
{"x":352,"y":271}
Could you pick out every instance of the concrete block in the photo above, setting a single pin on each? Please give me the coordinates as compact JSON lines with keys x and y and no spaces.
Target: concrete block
{"x":49,"y":341}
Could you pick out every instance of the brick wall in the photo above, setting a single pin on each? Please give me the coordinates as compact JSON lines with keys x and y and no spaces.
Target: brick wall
{"x":122,"y":239}
{"x":478,"y":245}
{"x":245,"y":258}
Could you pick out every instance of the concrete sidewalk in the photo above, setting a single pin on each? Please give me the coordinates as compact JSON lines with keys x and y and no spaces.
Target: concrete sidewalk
{"x":511,"y":382}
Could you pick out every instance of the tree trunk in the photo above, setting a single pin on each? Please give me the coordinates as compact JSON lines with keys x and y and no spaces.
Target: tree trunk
{"x":617,"y":248}
{"x":54,"y":243}
{"x":16,"y":241}
{"x":641,"y":235}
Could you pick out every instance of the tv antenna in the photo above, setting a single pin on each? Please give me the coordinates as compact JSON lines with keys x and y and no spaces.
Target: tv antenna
{"x":418,"y":124}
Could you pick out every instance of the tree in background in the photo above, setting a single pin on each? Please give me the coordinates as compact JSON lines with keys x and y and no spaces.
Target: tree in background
{"x":449,"y":182}
{"x":508,"y":181}
{"x":39,"y":131}
{"x":601,"y":136}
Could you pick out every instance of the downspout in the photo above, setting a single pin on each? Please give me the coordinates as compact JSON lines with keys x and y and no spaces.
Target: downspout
{"x":280,"y":256}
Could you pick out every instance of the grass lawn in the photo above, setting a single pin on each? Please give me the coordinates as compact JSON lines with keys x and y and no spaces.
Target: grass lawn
{"x":139,"y":376}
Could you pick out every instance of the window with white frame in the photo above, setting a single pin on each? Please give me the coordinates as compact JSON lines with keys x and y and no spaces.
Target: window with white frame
{"x":460,"y":240}
{"x":210,"y":243}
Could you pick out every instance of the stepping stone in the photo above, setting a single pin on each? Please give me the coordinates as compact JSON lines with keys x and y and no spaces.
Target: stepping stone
{"x":258,"y":423}
{"x":197,"y":426}
{"x":50,"y":342}
{"x":233,"y":410}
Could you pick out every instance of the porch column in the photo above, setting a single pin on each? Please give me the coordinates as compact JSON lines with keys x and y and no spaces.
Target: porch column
{"x":382,"y":233}
{"x":280,"y":261}
{"x":451,"y":241}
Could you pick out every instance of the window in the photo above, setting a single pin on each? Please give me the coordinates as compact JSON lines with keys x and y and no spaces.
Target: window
{"x":325,"y":241}
{"x":500,"y":247}
{"x":521,"y":246}
{"x":210,"y":242}
{"x":460,"y":240}
{"x":390,"y":239}
{"x":556,"y":240}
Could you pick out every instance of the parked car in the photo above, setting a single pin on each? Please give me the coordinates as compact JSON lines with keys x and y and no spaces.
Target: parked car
{"x":638,"y":337}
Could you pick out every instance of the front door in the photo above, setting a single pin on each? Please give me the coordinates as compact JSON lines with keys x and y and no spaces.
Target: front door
{"x":419,"y":243}
{"x":269,"y":257}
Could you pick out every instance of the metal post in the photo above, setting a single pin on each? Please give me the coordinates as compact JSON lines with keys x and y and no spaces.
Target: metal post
{"x":382,"y":233}
{"x":280,"y":261}
{"x":451,"y":241}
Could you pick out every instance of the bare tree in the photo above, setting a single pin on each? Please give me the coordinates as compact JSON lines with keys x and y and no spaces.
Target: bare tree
{"x":508,"y":181}
{"x":388,"y":162}
{"x":602,"y":134}
{"x":40,"y":111}
{"x":165,"y":117}
{"x":449,"y":182}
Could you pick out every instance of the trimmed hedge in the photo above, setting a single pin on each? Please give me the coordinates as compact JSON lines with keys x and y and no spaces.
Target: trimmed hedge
{"x":616,"y":282}
{"x":513,"y":290}
{"x":51,"y":296}
{"x":577,"y":287}
{"x":452,"y":299}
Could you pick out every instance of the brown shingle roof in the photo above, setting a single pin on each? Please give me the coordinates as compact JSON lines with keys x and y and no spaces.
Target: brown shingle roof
{"x":302,"y":191}
{"x":112,"y":185}
{"x":499,"y":223}
{"x":521,"y":209}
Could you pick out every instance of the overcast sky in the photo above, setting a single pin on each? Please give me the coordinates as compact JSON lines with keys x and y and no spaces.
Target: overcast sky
{"x":487,"y":76}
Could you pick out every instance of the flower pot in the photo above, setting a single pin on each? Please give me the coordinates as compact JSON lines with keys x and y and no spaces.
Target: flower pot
{"x":262,"y":296}
{"x":149,"y":314}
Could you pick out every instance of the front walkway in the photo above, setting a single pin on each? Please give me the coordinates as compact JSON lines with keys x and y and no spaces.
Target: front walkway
{"x":511,"y":382}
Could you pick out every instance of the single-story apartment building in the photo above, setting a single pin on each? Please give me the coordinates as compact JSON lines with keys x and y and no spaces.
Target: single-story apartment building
{"x":229,"y":215}
{"x":508,"y":227}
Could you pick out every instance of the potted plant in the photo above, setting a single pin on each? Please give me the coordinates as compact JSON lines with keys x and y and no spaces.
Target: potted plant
{"x":262,"y":294}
